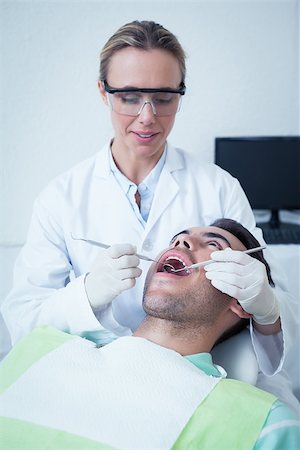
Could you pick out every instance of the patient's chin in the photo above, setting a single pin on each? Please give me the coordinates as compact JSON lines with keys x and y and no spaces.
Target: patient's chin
{"x":199,"y":306}
{"x":166,"y":308}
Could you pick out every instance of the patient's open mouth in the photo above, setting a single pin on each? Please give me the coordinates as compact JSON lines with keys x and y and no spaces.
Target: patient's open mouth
{"x":173,"y":263}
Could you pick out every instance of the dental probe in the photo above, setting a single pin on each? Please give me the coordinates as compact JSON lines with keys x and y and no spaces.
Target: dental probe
{"x":100,"y":244}
{"x":209,"y":261}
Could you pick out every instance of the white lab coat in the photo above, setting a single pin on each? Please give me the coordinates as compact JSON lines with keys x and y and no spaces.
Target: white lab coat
{"x":88,"y":202}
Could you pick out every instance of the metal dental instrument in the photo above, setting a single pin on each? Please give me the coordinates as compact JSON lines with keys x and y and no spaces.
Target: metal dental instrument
{"x":209,"y":261}
{"x":100,"y":244}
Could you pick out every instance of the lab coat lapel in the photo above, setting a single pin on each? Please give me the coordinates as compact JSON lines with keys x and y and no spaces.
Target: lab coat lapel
{"x":167,"y":187}
{"x":165,"y":192}
{"x":102,"y":166}
{"x":119,"y":203}
{"x":106,"y":195}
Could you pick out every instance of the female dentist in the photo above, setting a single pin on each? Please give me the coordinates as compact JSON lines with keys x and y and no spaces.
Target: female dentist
{"x":137,"y":189}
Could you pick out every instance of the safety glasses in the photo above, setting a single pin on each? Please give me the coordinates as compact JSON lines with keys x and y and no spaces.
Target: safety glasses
{"x":131,"y":101}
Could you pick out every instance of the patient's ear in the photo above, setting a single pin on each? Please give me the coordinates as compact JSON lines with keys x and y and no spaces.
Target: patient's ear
{"x":236,"y":308}
{"x":102,"y":91}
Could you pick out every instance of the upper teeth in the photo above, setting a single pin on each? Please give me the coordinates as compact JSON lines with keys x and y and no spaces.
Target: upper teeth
{"x":177,"y":258}
{"x":145,"y":135}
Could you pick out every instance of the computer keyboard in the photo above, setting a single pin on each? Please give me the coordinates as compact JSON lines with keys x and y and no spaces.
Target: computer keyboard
{"x":282,"y":235}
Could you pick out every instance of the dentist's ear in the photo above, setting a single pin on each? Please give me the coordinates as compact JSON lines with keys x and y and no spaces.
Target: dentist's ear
{"x":236,"y":308}
{"x":102,"y":91}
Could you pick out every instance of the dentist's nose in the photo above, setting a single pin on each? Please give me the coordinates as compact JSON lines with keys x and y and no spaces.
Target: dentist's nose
{"x":147,"y":113}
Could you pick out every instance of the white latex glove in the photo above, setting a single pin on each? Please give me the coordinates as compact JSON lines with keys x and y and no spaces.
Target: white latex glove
{"x":114,"y":271}
{"x":244,"y":278}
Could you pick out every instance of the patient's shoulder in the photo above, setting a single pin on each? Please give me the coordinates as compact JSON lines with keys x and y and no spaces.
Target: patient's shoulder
{"x":278,"y":415}
{"x":235,"y":390}
{"x":42,"y":339}
{"x":281,"y":429}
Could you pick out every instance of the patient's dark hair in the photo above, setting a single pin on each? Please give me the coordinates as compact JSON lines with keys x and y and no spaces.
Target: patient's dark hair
{"x":249,"y":241}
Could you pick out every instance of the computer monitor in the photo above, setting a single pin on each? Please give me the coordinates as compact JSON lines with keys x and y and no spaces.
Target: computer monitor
{"x":268,"y":169}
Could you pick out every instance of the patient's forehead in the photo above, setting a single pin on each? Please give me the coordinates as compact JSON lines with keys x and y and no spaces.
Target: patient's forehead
{"x":207,"y":232}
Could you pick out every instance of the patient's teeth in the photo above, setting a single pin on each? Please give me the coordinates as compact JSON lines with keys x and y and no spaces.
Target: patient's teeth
{"x":171,"y":264}
{"x":177,"y":258}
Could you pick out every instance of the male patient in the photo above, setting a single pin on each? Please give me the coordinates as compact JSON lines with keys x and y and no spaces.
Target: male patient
{"x":158,"y":389}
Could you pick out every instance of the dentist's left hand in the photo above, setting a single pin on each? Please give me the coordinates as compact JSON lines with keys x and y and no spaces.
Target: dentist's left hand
{"x":244,"y":278}
{"x":114,"y":271}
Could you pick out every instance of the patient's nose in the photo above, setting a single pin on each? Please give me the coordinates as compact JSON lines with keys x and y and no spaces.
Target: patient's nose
{"x":183,"y":242}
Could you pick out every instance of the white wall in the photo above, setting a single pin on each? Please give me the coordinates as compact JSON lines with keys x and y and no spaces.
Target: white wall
{"x":242,"y":80}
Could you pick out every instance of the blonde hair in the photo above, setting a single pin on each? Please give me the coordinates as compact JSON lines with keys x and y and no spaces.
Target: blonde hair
{"x":145,"y":35}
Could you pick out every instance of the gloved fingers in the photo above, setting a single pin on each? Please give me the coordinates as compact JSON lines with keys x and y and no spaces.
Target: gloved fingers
{"x":250,"y":295}
{"x":229,"y":255}
{"x":247,"y":287}
{"x":241,"y":282}
{"x":246,"y":297}
{"x":254,"y":269}
{"x":125,"y":261}
{"x":117,"y":250}
{"x":105,"y":262}
{"x":226,"y":267}
{"x":118,"y":285}
{"x":248,"y":304}
{"x":128,"y":273}
{"x":232,"y":291}
{"x":128,"y":284}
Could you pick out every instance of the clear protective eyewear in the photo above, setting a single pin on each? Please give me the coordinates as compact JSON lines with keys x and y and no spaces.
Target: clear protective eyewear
{"x":131,"y":101}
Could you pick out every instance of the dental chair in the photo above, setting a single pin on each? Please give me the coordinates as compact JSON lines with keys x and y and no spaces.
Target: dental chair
{"x":237,"y":357}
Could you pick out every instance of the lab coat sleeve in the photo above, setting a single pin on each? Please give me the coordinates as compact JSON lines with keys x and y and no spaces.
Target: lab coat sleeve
{"x":270,"y":350}
{"x":43,"y":293}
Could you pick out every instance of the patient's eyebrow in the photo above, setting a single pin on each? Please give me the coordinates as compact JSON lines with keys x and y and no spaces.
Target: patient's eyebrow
{"x":218,"y":236}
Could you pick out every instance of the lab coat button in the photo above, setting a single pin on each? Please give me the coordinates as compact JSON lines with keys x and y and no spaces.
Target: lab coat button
{"x":148,"y":246}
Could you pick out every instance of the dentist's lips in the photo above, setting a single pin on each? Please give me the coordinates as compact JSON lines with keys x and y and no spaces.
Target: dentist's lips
{"x":172,"y":261}
{"x":145,"y":135}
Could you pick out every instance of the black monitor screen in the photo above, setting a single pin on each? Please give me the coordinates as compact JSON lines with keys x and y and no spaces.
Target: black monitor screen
{"x":267,"y":168}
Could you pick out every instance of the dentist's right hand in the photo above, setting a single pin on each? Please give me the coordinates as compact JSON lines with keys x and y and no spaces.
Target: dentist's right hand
{"x":114,"y":271}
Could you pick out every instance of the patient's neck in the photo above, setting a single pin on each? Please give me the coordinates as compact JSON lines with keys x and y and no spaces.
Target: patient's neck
{"x":184,"y":339}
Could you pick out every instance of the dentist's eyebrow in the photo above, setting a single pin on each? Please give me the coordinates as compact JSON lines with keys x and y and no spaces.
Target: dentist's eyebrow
{"x":178,"y":234}
{"x":218,"y":236}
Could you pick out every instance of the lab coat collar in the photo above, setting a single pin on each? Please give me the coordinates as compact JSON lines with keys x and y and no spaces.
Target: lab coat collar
{"x":102,"y":164}
{"x":174,"y":160}
{"x":167,"y":186}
